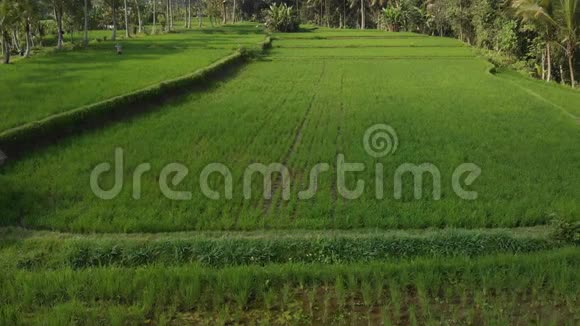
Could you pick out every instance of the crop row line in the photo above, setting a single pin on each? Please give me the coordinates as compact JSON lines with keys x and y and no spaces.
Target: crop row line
{"x":277,"y":182}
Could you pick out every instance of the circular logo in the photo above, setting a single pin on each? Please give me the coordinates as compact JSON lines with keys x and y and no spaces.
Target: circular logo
{"x":380,"y":140}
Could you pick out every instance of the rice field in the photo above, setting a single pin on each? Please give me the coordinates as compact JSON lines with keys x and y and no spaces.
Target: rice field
{"x":540,"y":288}
{"x":51,"y":83}
{"x":308,"y":115}
{"x":275,"y":257}
{"x":557,"y":96}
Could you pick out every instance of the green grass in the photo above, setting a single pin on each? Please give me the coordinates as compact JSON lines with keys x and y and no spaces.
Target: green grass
{"x":314,"y":32}
{"x":503,"y":289}
{"x":56,"y":82}
{"x":384,"y":41}
{"x":353,"y":44}
{"x":47,"y":250}
{"x":559,"y":96}
{"x":326,"y":260}
{"x":356,"y":53}
{"x":446,"y":112}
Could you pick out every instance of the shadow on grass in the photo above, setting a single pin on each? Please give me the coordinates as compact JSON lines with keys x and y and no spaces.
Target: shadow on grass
{"x":17,"y":200}
{"x":105,"y":35}
{"x":85,"y":76}
{"x":307,"y":29}
{"x":153,"y":45}
{"x":102,"y":56}
{"x":140,"y":107}
{"x":15,"y":204}
{"x":233,"y":29}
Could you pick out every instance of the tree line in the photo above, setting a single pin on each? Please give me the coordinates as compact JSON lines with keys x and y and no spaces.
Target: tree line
{"x":25,"y":24}
{"x":541,"y":35}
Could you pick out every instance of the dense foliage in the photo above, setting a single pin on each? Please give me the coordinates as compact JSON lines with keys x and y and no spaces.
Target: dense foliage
{"x":539,"y":35}
{"x":282,"y":18}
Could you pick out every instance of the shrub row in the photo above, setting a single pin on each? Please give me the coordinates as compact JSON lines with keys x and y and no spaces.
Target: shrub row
{"x":20,"y":139}
{"x":255,"y":251}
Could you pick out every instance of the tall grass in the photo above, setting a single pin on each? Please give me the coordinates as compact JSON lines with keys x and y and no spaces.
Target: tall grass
{"x":430,"y":285}
{"x":49,"y":252}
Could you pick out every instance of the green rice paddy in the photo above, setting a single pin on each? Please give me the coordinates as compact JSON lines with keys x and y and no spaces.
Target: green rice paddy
{"x":56,"y":82}
{"x":70,"y":257}
{"x":446,"y":112}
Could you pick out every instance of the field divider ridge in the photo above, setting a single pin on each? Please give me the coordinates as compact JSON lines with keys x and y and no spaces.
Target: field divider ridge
{"x":19,"y":140}
{"x":220,"y":249}
{"x":493,"y":71}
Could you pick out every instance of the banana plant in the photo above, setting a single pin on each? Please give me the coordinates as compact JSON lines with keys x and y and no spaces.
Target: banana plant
{"x":568,"y":18}
{"x":282,"y":18}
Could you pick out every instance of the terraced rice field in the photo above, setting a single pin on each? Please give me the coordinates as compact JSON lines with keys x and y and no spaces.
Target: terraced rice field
{"x":384,"y":257}
{"x":57,"y":82}
{"x":132,"y":281}
{"x":446,"y":111}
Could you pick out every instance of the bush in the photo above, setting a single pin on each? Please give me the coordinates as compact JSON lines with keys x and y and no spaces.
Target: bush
{"x":501,"y":60}
{"x":392,"y":16}
{"x":507,"y":38}
{"x":281,"y":18}
{"x":568,"y":232}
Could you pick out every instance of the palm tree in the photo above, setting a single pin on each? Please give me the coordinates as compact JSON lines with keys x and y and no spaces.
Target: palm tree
{"x":113,"y":5}
{"x":168,"y":16}
{"x":199,"y":7}
{"x":86,"y":26}
{"x":362,"y":14}
{"x":562,"y":16}
{"x":363,"y":4}
{"x":9,"y":16}
{"x":28,"y":11}
{"x":363,"y":7}
{"x":188,"y":22}
{"x":114,"y":13}
{"x":139,"y":20}
{"x":154,"y":16}
{"x":58,"y":8}
{"x":126,"y":20}
{"x":540,"y":13}
{"x":568,"y":18}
